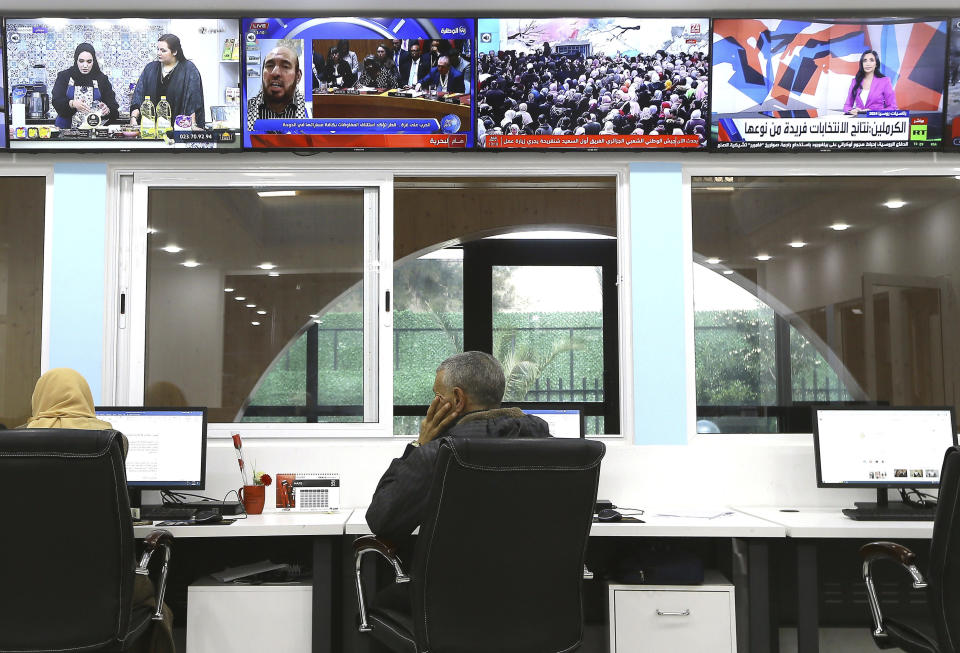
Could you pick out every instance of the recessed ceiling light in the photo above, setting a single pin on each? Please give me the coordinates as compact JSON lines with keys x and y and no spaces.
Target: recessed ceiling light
{"x":856,"y":311}
{"x":172,"y":249}
{"x":228,"y":290}
{"x":190,"y":264}
{"x":797,"y":243}
{"x":314,"y":316}
{"x":763,"y":257}
{"x":956,"y":176}
{"x":277,"y":193}
{"x":728,"y":271}
{"x":273,"y":274}
{"x":839,"y":226}
{"x":894,"y":204}
{"x":261,"y":312}
{"x":255,"y":323}
{"x":151,"y":230}
{"x":266,"y":266}
{"x":240,"y":299}
{"x":713,"y":261}
{"x":251,"y":305}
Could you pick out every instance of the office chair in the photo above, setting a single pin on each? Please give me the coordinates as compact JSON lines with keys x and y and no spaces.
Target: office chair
{"x":498,"y":564}
{"x":943,"y":577}
{"x":67,"y":563}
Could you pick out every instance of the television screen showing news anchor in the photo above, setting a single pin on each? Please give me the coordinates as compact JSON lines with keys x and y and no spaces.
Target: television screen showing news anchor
{"x":828,"y":85}
{"x":123,"y":83}
{"x":356,"y":83}
{"x":592,"y":83}
{"x":953,"y":86}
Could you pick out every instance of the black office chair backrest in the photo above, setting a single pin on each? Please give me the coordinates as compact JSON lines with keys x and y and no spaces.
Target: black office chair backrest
{"x":498,"y":565}
{"x":66,"y":558}
{"x":943,"y":575}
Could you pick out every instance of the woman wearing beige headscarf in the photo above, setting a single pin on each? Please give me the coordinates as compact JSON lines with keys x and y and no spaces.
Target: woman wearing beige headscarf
{"x":62,"y":400}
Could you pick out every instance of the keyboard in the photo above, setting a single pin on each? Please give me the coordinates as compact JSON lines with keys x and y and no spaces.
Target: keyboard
{"x":897,"y":514}
{"x":163,"y":512}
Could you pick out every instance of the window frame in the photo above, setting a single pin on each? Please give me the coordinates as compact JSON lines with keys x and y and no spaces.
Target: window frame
{"x":767,"y":165}
{"x":128,"y":185}
{"x":126,"y":277}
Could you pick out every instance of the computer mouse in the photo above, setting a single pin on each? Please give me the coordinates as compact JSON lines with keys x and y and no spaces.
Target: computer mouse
{"x":609,"y":515}
{"x":207,"y":517}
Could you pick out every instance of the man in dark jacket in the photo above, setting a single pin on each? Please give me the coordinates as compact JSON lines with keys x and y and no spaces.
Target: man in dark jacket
{"x":467,"y":393}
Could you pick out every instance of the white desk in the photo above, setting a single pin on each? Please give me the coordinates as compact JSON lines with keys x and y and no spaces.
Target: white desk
{"x":806,"y":525}
{"x":831,"y":523}
{"x":324,"y":529}
{"x":737,"y":524}
{"x":752,"y":532}
{"x":267,"y":524}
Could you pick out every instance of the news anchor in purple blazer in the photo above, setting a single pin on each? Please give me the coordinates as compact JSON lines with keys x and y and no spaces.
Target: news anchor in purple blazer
{"x":870,"y":89}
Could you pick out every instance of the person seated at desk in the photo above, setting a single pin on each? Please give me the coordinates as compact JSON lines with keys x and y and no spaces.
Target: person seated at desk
{"x":386,"y":63}
{"x":444,"y":78}
{"x":279,"y":95}
{"x":62,"y":400}
{"x":337,"y":73}
{"x":468,"y":389}
{"x":413,"y":67}
{"x":374,"y":75}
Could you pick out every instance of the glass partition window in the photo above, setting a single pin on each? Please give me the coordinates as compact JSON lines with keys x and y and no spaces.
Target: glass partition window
{"x":256,"y":304}
{"x":21,"y":293}
{"x":822,"y":291}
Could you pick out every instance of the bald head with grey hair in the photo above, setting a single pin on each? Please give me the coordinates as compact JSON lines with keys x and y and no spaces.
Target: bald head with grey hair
{"x":478,"y":374}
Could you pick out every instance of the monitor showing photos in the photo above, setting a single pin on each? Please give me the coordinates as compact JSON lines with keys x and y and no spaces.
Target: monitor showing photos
{"x":592,"y":83}
{"x":123,"y":83}
{"x":952,"y":139}
{"x":358,"y":83}
{"x":828,"y":84}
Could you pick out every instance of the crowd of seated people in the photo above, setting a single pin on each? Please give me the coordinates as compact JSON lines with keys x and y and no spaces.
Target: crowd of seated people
{"x":546,"y":93}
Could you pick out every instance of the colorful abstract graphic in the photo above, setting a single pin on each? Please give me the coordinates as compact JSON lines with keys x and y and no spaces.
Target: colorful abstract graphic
{"x":805,"y":68}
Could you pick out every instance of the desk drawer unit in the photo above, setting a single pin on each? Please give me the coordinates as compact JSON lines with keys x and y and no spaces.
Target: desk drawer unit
{"x":673,"y":618}
{"x":248,"y":618}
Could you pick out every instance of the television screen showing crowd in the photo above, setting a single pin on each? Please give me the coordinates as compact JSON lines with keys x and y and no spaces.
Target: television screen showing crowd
{"x":593,"y":83}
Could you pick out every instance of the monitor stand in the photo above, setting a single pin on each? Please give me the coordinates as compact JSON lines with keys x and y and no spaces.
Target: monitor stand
{"x":882,"y":509}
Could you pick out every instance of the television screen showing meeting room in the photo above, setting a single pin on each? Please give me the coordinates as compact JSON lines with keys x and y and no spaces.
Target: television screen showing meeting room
{"x":123,"y":83}
{"x":363,"y":83}
{"x":952,"y":139}
{"x":592,"y":83}
{"x":828,"y":84}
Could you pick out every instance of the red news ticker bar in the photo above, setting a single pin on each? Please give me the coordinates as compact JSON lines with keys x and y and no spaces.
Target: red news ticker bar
{"x":598,"y":141}
{"x":371,"y":141}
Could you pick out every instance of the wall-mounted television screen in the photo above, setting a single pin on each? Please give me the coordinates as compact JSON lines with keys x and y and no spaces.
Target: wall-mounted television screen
{"x":828,"y":84}
{"x":3,"y":107}
{"x":592,"y":83}
{"x":952,"y":137}
{"x":358,"y":83}
{"x":131,"y":83}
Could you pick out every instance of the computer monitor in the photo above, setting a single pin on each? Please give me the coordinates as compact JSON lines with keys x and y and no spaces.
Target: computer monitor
{"x":564,"y":421}
{"x":167,"y":446}
{"x":882,"y":447}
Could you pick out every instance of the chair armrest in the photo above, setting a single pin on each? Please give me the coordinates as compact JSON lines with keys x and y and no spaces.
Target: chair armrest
{"x":894,"y":552}
{"x":362,"y":546}
{"x":890,"y":550}
{"x":157,"y":539}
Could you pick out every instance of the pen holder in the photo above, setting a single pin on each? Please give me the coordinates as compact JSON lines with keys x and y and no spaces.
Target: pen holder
{"x":253,"y":498}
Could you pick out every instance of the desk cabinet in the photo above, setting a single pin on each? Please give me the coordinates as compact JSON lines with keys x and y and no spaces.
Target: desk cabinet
{"x":248,"y":618}
{"x":674,"y":618}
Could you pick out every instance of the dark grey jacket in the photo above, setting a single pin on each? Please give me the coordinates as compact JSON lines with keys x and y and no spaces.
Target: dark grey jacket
{"x":401,"y":495}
